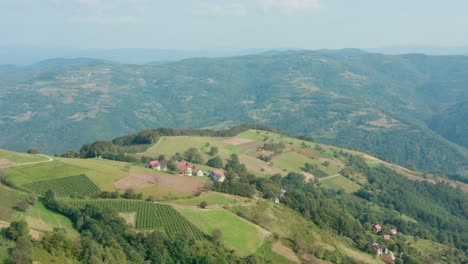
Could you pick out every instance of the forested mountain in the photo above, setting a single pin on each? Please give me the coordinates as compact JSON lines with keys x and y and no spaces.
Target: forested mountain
{"x":370,"y":102}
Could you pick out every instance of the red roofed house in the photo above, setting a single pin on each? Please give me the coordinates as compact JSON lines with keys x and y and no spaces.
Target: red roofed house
{"x":197,"y":171}
{"x":218,"y":175}
{"x":393,"y":231}
{"x":386,"y":237}
{"x":154,"y":164}
{"x":387,"y":259}
{"x":184,"y":168}
{"x":377,"y":227}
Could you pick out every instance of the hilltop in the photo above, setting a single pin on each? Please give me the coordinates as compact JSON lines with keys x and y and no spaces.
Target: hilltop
{"x":388,"y":105}
{"x":304,"y":200}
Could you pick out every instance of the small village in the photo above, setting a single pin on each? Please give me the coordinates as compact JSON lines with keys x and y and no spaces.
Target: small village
{"x":384,"y":253}
{"x":185,"y":169}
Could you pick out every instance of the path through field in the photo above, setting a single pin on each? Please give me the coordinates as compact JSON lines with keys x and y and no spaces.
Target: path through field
{"x":49,"y":159}
{"x":328,"y":177}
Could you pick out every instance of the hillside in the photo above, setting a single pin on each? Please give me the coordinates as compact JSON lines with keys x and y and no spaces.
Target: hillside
{"x":332,"y":198}
{"x":368,"y":102}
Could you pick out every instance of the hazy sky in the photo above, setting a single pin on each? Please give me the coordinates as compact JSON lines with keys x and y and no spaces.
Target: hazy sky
{"x":195,"y":24}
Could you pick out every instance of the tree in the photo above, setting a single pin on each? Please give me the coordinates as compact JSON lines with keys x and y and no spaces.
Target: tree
{"x":32,"y":199}
{"x":216,"y":236}
{"x":22,"y":206}
{"x":215,"y":162}
{"x":203,"y":204}
{"x":34,"y":151}
{"x":70,"y":154}
{"x":22,"y":254}
{"x":17,"y":229}
{"x":213,"y":151}
{"x":171,"y":166}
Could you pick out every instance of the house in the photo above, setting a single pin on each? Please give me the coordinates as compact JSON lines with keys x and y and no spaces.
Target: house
{"x":218,"y":175}
{"x":184,"y":168}
{"x":378,"y":250}
{"x":387,"y":259}
{"x":393,"y":231}
{"x":197,"y":172}
{"x":155,"y":165}
{"x":386,"y":237}
{"x":377,"y":227}
{"x":276,"y":200}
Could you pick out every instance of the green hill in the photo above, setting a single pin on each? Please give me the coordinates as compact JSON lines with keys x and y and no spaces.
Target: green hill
{"x":369,"y":102}
{"x":329,"y":198}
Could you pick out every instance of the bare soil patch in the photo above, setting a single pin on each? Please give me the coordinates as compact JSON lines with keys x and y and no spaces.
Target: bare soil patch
{"x":5,"y":163}
{"x":284,"y":251}
{"x":184,"y":184}
{"x":130,"y":218}
{"x":4,"y":224}
{"x":385,"y":122}
{"x":35,"y":234}
{"x":308,"y":176}
{"x":237,"y":141}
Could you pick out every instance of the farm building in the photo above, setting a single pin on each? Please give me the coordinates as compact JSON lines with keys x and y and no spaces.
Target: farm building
{"x":184,"y":168}
{"x":377,"y":227}
{"x":218,"y":175}
{"x":154,"y":164}
{"x":197,"y":172}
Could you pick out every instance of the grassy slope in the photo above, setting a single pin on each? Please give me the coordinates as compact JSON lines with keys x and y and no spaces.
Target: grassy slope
{"x":40,"y":218}
{"x":19,"y":157}
{"x":340,"y":182}
{"x":212,"y":198}
{"x":289,"y":224}
{"x":237,"y":233}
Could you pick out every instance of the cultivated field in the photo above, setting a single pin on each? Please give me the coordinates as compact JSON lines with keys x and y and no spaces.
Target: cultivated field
{"x":78,"y":185}
{"x":148,"y":215}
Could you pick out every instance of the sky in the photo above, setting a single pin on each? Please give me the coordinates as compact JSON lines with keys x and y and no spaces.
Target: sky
{"x":237,"y":24}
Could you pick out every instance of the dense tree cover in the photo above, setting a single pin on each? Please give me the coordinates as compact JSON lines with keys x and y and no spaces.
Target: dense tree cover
{"x":320,"y":94}
{"x":452,"y":123}
{"x":105,"y":238}
{"x":238,"y":180}
{"x":215,"y":162}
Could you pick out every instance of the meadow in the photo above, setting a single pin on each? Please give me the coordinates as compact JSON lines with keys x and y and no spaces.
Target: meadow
{"x":237,"y":233}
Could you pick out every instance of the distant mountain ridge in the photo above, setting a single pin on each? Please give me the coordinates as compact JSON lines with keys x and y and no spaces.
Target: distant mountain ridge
{"x":369,"y":102}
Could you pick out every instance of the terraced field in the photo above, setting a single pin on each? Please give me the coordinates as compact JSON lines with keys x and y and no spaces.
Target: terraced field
{"x":148,"y":215}
{"x":65,"y":186}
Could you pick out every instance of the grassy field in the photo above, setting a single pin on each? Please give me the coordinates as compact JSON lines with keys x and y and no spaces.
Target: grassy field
{"x":148,"y":215}
{"x":340,"y":183}
{"x":212,"y":198}
{"x":40,"y":218}
{"x":65,"y":186}
{"x":29,"y":173}
{"x":291,"y":161}
{"x":168,"y":146}
{"x":238,"y":234}
{"x":266,"y":251}
{"x":19,"y":157}
{"x":286,"y":222}
{"x":8,"y":199}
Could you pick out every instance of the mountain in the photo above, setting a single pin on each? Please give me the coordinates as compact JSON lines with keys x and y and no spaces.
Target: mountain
{"x":426,"y":49}
{"x":370,"y":102}
{"x":452,"y":123}
{"x":25,"y":55}
{"x":283,"y":200}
